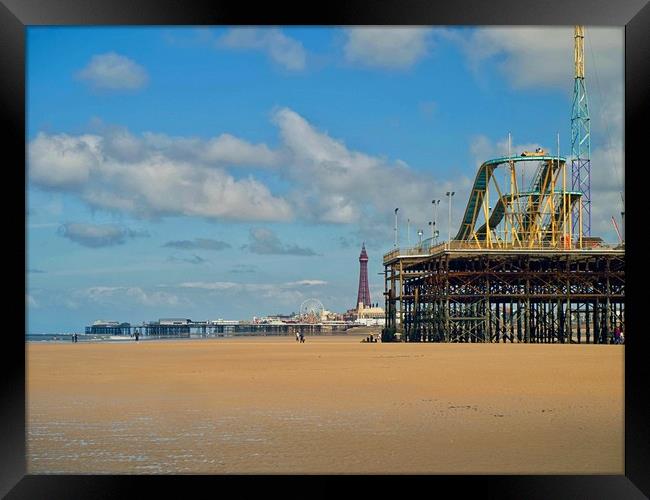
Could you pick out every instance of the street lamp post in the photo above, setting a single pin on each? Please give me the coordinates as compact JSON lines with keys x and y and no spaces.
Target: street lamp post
{"x":449,"y":196}
{"x":435,"y":204}
{"x":396,"y":227}
{"x":420,"y":233}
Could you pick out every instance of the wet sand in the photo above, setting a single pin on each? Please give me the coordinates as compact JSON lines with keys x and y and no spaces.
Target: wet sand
{"x":331,"y":405}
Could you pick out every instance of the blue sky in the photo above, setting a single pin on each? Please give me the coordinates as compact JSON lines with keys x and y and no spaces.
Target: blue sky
{"x":224,"y":173}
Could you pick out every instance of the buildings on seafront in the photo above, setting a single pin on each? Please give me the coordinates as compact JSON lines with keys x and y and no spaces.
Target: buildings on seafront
{"x":371,"y":316}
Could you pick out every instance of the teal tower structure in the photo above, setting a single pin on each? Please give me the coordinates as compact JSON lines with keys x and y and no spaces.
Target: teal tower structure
{"x":580,"y":139}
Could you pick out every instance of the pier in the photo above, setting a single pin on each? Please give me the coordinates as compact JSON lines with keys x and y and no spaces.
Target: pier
{"x":513,"y":272}
{"x":181,"y":328}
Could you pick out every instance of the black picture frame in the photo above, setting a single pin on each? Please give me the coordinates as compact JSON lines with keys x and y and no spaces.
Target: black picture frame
{"x":16,"y":15}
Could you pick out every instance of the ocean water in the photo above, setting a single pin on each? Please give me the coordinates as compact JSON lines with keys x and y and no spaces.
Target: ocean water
{"x":67,"y":337}
{"x":59,"y":337}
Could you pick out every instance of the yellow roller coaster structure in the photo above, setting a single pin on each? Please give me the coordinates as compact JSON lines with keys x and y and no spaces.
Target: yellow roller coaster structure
{"x":539,"y":217}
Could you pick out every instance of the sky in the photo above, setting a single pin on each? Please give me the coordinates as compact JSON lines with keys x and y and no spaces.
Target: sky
{"x":217,"y":172}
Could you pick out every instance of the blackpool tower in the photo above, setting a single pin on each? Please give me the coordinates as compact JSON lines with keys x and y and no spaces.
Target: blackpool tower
{"x":363,"y":297}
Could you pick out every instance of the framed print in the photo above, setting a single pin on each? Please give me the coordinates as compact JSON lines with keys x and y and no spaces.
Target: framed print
{"x":383,"y":243}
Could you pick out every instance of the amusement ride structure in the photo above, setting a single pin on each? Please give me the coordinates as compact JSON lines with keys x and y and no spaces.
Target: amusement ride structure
{"x":537,"y":217}
{"x":311,"y":311}
{"x":522,"y":267}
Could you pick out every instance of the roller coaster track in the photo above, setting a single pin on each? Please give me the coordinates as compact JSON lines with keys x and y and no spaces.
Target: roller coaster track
{"x":572,"y":198}
{"x":499,"y":210}
{"x":539,"y":188}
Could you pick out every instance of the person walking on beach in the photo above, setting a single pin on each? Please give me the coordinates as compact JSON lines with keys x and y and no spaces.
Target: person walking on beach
{"x":297,"y":336}
{"x":617,"y":335}
{"x":302,"y":338}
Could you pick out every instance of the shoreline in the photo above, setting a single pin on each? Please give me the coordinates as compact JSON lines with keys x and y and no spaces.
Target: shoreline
{"x":84,"y":338}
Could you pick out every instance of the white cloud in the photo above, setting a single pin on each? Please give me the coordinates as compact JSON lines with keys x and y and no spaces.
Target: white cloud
{"x":63,"y":161}
{"x":339,"y":185}
{"x":229,"y":149}
{"x":531,"y":56}
{"x":114,"y":71}
{"x":280,"y":48}
{"x":151,"y":177}
{"x":155,"y":175}
{"x":224,"y":149}
{"x":395,"y":48}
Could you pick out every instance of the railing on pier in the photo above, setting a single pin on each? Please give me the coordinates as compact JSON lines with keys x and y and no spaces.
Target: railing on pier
{"x":429,"y":247}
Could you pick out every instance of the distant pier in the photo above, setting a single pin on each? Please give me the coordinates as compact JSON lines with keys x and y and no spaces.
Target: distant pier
{"x":187,"y":328}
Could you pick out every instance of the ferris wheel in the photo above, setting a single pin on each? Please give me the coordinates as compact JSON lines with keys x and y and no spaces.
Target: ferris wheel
{"x":311,"y":310}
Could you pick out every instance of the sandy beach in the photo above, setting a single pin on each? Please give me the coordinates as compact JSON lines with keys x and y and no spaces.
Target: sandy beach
{"x":331,"y":405}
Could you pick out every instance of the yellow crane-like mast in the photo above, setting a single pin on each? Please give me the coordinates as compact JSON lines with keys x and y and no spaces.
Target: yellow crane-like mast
{"x":579,"y":51}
